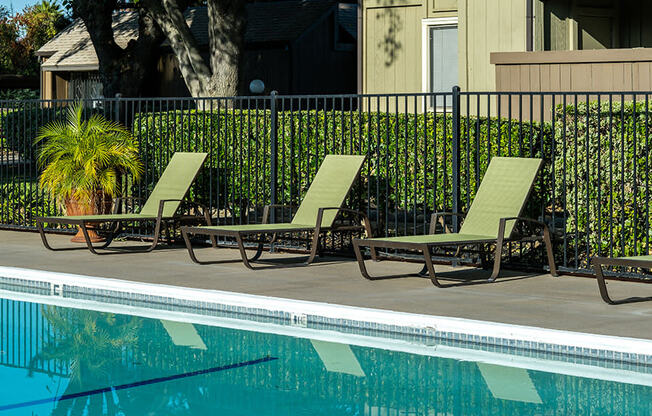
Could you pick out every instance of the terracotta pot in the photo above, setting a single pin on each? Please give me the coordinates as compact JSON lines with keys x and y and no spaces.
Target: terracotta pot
{"x":100,"y":204}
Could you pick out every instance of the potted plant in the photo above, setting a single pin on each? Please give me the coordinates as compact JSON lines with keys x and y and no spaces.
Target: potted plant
{"x":82,"y":160}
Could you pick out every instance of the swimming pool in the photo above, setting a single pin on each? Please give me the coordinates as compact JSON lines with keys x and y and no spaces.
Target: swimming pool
{"x":62,"y":360}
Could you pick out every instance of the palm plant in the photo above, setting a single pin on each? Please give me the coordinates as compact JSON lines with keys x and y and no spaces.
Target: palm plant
{"x":82,"y":158}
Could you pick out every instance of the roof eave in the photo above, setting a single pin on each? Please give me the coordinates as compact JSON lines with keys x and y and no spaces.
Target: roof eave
{"x":69,"y":68}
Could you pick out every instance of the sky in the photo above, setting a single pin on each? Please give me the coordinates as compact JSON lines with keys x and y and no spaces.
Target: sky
{"x":18,"y":5}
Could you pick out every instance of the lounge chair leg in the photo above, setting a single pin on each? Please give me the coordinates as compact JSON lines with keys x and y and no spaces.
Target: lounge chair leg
{"x":498,"y":253}
{"x":271,"y":242}
{"x":602,"y":284}
{"x":87,"y":238}
{"x":551,"y":257}
{"x":369,"y":234}
{"x":157,"y":234}
{"x":360,"y":259}
{"x":186,"y":240}
{"x":429,"y":266}
{"x":423,"y":271}
{"x":259,"y":252}
{"x":207,"y":220}
{"x":315,"y":247}
{"x":243,"y":252}
{"x":44,"y":239}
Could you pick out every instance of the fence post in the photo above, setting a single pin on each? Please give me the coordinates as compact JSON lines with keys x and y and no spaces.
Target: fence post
{"x":455,"y":156}
{"x":116,"y":110}
{"x":273,"y":137}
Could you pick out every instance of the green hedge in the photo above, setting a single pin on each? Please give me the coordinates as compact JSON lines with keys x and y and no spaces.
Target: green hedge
{"x":612,"y":152}
{"x":20,"y":123}
{"x":240,"y":146}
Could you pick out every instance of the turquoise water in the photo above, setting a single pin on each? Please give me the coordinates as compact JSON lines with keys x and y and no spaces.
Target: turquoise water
{"x":62,"y":361}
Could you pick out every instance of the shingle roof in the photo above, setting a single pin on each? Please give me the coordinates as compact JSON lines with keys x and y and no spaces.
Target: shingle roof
{"x":72,"y":47}
{"x":280,"y":21}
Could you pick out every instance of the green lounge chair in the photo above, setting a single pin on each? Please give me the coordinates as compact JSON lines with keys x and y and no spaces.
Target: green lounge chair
{"x":317,"y":212}
{"x":491,"y":218}
{"x":643,"y":262}
{"x":161,"y":206}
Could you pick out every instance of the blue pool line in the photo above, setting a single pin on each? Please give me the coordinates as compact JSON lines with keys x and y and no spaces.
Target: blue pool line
{"x":137,"y":383}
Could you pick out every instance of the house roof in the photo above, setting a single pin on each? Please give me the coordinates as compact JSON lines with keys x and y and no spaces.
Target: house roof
{"x":280,"y":21}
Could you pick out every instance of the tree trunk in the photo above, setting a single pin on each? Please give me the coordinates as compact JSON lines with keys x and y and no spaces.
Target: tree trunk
{"x":227,"y":24}
{"x":227,"y":21}
{"x":121,"y":70}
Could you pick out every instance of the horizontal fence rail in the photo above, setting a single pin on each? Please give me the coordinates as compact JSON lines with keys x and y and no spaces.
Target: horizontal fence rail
{"x":425,"y":153}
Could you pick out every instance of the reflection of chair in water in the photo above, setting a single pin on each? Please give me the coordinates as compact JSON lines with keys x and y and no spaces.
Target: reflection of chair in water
{"x":338,"y":358}
{"x":509,"y":383}
{"x":184,"y":334}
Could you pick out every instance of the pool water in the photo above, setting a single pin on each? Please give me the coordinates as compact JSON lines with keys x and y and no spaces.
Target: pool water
{"x":63,"y":361}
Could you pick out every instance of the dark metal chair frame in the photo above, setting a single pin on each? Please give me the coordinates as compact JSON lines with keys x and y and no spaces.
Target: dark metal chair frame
{"x":239,"y":236}
{"x":598,"y":264}
{"x":425,"y":248}
{"x":202,"y":214}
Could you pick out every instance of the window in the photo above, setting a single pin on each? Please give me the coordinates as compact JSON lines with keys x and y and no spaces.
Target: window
{"x":439,"y":58}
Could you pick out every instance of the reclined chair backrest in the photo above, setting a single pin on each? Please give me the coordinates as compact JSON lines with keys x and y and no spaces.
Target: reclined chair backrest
{"x":503,"y":192}
{"x":329,"y":188}
{"x":174,"y":183}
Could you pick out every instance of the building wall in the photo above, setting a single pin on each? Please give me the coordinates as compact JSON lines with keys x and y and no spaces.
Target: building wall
{"x":54,"y":85}
{"x":392,"y":40}
{"x":487,"y":26}
{"x":588,"y":70}
{"x":392,"y":45}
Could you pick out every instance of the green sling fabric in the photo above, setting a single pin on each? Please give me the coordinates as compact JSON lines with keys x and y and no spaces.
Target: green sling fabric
{"x":329,"y":188}
{"x":639,"y":258}
{"x":106,"y":217}
{"x":174,"y":183}
{"x":244,"y":228}
{"x":435,"y":238}
{"x":502,"y":193}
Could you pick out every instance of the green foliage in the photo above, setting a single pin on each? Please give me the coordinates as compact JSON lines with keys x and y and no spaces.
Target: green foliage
{"x":81,"y":157}
{"x":601,"y":171}
{"x":21,"y":201}
{"x":20,"y":124}
{"x":22,"y":34}
{"x":409,"y":162}
{"x":19,"y":94}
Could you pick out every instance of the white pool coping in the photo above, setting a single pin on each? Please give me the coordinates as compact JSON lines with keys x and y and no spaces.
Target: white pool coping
{"x":334,"y":311}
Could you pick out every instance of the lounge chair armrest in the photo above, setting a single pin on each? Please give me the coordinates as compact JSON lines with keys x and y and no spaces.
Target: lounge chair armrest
{"x":436,"y":215}
{"x":162,"y":202}
{"x":117,"y":200}
{"x":503,"y":222}
{"x":361,"y":215}
{"x":268,"y":208}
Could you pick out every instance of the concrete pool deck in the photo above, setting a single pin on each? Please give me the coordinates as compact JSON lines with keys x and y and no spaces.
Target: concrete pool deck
{"x":540,"y":300}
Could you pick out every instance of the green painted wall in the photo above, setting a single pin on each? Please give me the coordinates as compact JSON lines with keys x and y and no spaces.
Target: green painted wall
{"x":487,"y":26}
{"x":392,"y":46}
{"x":392,"y":40}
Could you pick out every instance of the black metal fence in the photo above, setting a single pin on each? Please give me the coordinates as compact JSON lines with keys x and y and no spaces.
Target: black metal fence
{"x":423,"y":155}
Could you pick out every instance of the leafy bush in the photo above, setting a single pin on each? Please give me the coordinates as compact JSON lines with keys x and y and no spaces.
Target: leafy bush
{"x":601,"y":170}
{"x":20,"y":123}
{"x":21,"y":202}
{"x":19,"y":94}
{"x":407,"y":174}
